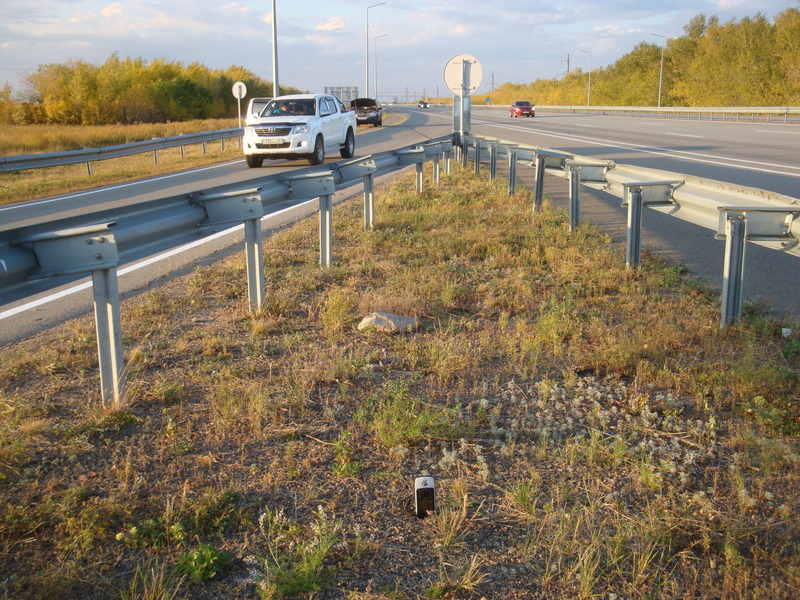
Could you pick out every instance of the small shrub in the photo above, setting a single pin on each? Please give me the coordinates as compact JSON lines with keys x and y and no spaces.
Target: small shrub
{"x":202,"y":564}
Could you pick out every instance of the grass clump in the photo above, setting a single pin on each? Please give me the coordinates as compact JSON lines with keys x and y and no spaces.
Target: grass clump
{"x":591,"y":429}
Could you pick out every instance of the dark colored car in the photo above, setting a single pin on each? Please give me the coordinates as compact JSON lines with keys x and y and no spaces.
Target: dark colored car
{"x":522,"y":108}
{"x":367,"y":111}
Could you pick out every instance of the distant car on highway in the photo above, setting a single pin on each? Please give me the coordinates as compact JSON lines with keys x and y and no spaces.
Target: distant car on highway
{"x":423,"y":104}
{"x":367,"y":111}
{"x":522,"y":108}
{"x":300,"y":126}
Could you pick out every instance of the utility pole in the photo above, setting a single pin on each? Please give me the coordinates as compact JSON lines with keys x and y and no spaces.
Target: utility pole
{"x":661,"y":72}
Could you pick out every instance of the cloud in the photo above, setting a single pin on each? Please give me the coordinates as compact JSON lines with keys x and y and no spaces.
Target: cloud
{"x":616,"y":30}
{"x":332,"y":24}
{"x":113,"y":9}
{"x":724,"y":5}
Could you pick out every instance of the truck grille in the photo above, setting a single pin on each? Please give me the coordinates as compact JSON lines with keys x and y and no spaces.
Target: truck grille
{"x":273,"y":131}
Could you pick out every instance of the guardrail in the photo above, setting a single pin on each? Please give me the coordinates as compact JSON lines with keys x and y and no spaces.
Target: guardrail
{"x":90,"y":155}
{"x":783,"y":114}
{"x":99,"y":242}
{"x":736,"y":213}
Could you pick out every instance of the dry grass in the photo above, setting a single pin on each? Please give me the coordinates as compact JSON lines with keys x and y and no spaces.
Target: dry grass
{"x":592,"y":432}
{"x":34,"y":139}
{"x":21,"y":186}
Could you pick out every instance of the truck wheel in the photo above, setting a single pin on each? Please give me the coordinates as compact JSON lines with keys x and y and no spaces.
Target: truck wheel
{"x":349,"y":147}
{"x":254,"y":161}
{"x":318,"y":156}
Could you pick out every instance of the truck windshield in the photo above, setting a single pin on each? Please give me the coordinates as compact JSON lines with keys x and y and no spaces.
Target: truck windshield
{"x":277,"y":108}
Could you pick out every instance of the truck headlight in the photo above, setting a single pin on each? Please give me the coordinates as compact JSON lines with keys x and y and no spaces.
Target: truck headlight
{"x":250,"y":131}
{"x":302,"y":129}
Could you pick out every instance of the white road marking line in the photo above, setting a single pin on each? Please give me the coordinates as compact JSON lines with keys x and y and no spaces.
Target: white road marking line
{"x":773,"y":131}
{"x":786,"y":170}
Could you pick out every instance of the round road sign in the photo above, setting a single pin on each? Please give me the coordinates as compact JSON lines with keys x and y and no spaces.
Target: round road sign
{"x":239,"y":90}
{"x":453,"y":74}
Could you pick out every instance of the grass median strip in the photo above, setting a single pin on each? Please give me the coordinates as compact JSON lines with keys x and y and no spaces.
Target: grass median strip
{"x":591,"y":430}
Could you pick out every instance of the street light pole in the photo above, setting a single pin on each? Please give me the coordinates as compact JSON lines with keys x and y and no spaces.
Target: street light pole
{"x":375,"y":58}
{"x":589,"y":93}
{"x":661,"y":73}
{"x":366,"y":51}
{"x":275,"y":85}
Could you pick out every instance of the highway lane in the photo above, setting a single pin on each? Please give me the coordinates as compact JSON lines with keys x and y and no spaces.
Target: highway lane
{"x":750,"y":154}
{"x":400,"y":129}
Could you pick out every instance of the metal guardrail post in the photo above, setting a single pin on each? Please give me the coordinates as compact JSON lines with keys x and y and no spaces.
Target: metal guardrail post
{"x":319,"y":184}
{"x":81,"y":250}
{"x":512,"y":171}
{"x":415,"y":156}
{"x":105,"y":291}
{"x":241,"y":206}
{"x":254,"y":257}
{"x":492,"y":161}
{"x":538,"y":188}
{"x":361,"y":167}
{"x":478,"y":157}
{"x":369,"y":201}
{"x":633,"y":246}
{"x":325,"y":230}
{"x":574,"y":198}
{"x":733,"y":271}
{"x":740,"y":224}
{"x":464,"y":151}
{"x":435,"y":150}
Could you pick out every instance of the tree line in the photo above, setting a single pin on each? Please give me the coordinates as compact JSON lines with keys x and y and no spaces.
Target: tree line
{"x":752,"y":62}
{"x":130,"y":90}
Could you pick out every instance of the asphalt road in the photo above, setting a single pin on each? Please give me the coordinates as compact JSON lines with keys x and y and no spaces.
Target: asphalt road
{"x":754,"y":155}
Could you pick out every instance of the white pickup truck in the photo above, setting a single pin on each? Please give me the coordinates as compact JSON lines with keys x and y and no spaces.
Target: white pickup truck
{"x":300,"y":125}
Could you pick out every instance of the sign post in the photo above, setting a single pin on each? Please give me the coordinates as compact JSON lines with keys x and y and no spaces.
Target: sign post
{"x":462,"y":75}
{"x":239,"y":91}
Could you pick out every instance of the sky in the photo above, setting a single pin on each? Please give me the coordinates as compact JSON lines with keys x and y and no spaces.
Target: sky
{"x":325,"y":43}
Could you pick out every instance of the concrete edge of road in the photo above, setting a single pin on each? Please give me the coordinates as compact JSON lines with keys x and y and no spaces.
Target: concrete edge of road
{"x":27,"y":317}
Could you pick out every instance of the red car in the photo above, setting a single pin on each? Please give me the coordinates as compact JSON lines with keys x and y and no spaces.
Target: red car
{"x":522,"y":108}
